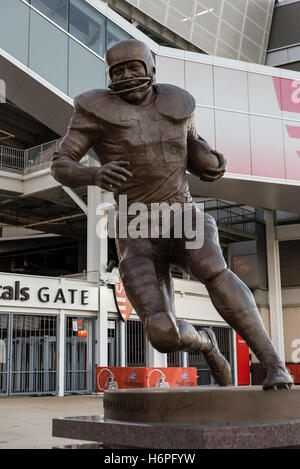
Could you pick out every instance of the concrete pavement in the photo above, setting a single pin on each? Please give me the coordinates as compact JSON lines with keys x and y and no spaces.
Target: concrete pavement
{"x":26,"y":421}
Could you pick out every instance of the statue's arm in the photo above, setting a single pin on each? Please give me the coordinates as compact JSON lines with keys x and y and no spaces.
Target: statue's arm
{"x":209,"y":165}
{"x":83,"y":132}
{"x":65,"y":166}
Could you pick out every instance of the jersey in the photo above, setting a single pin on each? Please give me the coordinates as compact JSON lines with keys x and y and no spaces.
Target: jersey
{"x":152,"y":138}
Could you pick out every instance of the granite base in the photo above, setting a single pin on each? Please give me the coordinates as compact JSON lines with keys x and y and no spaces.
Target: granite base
{"x":121,"y":435}
{"x":195,"y":418}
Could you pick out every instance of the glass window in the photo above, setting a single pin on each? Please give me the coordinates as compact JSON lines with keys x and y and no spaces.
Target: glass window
{"x":86,"y":71}
{"x":115,"y":34}
{"x":56,"y":10}
{"x":48,"y":51}
{"x":14,"y":27}
{"x":87,"y":25}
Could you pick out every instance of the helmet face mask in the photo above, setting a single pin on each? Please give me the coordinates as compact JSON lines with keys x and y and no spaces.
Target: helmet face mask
{"x":123,"y":54}
{"x":138,"y":80}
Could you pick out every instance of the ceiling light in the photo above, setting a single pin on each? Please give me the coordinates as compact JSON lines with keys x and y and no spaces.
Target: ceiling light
{"x":205,"y":11}
{"x":187,"y":18}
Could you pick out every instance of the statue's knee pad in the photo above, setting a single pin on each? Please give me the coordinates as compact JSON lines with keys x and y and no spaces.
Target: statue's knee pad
{"x":162,"y":331}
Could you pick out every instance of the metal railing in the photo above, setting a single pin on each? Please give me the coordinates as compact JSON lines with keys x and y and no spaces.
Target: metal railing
{"x":32,"y":158}
{"x":41,"y":154}
{"x":231,"y":214}
{"x":11,"y":158}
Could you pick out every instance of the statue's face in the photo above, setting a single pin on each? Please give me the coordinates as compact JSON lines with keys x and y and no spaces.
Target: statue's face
{"x":127,"y":72}
{"x":131,"y":69}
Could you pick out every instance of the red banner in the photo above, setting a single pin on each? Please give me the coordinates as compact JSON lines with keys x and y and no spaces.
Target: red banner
{"x":243,"y":361}
{"x":288,"y":94}
{"x":118,"y":377}
{"x":295,"y":371}
{"x":288,"y":97}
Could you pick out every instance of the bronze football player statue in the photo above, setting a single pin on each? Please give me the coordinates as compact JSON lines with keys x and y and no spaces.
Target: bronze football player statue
{"x":145,"y":139}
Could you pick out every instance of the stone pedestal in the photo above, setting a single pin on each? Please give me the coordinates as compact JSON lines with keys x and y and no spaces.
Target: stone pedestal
{"x":191,"y":418}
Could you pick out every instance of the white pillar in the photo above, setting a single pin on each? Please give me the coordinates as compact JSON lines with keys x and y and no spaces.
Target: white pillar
{"x":93,"y":242}
{"x":235,"y":374}
{"x":102,"y":345}
{"x":122,"y":344}
{"x":96,"y":267}
{"x":155,"y":358}
{"x":185,"y":360}
{"x":275,"y":298}
{"x":93,"y":255}
{"x":61,"y":357}
{"x":103,"y":290}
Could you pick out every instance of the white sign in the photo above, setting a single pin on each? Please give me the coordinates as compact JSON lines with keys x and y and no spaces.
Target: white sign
{"x":49,"y":293}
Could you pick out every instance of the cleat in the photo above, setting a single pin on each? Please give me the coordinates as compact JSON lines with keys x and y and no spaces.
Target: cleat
{"x":219,"y":366}
{"x":278,"y":377}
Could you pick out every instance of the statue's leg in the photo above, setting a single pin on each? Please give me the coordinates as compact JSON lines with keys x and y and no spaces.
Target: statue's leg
{"x":144,"y":269}
{"x":235,"y":303}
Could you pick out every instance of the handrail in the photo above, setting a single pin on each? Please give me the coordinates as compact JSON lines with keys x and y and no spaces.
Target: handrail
{"x":33,"y":157}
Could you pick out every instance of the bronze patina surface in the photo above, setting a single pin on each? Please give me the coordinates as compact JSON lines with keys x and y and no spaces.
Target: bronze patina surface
{"x":144,"y":136}
{"x":201,"y":405}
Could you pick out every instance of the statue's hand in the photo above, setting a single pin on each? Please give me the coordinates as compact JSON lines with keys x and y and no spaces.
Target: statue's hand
{"x":213,"y":174}
{"x":112,"y":175}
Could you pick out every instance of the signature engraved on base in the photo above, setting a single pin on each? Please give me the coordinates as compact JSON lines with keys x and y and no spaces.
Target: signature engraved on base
{"x":126,"y":405}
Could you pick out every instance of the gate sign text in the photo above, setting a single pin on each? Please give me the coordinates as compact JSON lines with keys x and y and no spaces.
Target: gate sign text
{"x":36,"y":293}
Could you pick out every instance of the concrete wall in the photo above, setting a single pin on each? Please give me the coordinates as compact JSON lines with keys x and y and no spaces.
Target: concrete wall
{"x":291,"y":321}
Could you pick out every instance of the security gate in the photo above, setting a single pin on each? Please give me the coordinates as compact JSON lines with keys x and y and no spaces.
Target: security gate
{"x":135,"y":343}
{"x":28,"y":354}
{"x":79,"y":355}
{"x":3,"y":353}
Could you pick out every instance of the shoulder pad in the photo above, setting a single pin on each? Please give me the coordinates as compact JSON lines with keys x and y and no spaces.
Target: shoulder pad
{"x":90,"y":100}
{"x":102,"y":104}
{"x":174,"y":102}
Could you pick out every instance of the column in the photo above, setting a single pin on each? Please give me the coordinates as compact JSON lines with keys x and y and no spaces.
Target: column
{"x":274,"y":281}
{"x":96,"y":260}
{"x":122,"y":344}
{"x":235,"y":374}
{"x":93,"y":242}
{"x":154,"y":358}
{"x":61,"y":357}
{"x":185,"y":357}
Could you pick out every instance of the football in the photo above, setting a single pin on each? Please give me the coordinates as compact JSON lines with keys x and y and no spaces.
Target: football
{"x":200,"y":157}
